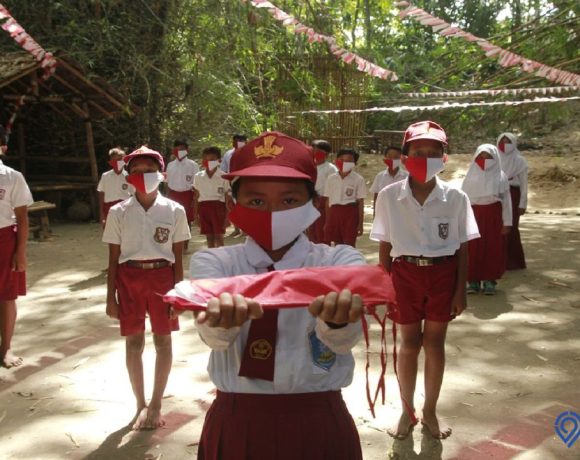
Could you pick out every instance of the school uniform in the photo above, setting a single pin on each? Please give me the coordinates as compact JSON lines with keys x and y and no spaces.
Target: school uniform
{"x":115,"y":189}
{"x":488,"y":192}
{"x":384,"y":178}
{"x":424,"y":242}
{"x":225,"y":163}
{"x":515,"y":167}
{"x":299,"y":411}
{"x":180,"y":175}
{"x":145,"y":264}
{"x":211,"y":201}
{"x":342,"y":221}
{"x":316,"y":230}
{"x":14,"y":193}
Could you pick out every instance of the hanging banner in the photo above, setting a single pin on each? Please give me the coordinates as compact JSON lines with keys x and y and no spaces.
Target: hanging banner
{"x":447,"y":105}
{"x":314,"y":37}
{"x":495,"y":92}
{"x":505,"y":58}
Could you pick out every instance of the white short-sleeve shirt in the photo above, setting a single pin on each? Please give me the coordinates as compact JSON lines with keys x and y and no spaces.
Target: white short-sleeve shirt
{"x":212,"y":188}
{"x":180,"y":174}
{"x":323,"y":171}
{"x":146,"y":235}
{"x":296,"y":370}
{"x":383,"y":179}
{"x":225,"y":163}
{"x":115,"y":186}
{"x":437,"y":228}
{"x":345,"y":190}
{"x":14,"y":193}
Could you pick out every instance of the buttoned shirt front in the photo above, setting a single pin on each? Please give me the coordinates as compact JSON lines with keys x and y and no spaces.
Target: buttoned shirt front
{"x":115,"y":186}
{"x":212,"y":188}
{"x":296,"y":370}
{"x":146,"y":235}
{"x":180,"y":174}
{"x":345,"y":190}
{"x":437,"y":228}
{"x":383,"y":179}
{"x":14,"y":193}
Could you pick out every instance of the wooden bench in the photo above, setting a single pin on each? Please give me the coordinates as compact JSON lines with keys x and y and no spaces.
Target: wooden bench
{"x":42,"y":229}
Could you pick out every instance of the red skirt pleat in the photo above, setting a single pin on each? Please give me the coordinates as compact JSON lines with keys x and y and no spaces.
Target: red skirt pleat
{"x":516,"y":259}
{"x":487,"y":253}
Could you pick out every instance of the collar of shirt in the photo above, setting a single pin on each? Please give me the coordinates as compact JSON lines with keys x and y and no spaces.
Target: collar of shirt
{"x":438,"y":192}
{"x":292,"y":259}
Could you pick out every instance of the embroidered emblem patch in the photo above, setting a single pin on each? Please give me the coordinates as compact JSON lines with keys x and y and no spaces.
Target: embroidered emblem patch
{"x":268,"y":150}
{"x":2,"y":193}
{"x":443,"y":231}
{"x":220,"y":190}
{"x":161,"y":235}
{"x":188,"y":178}
{"x":349,"y":191}
{"x":125,"y":186}
{"x":322,"y":356}
{"x":260,"y":349}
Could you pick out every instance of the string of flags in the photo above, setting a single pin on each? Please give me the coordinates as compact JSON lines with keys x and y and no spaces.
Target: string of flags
{"x":506,"y":58}
{"x":343,"y":54}
{"x":495,"y":92}
{"x":446,"y":105}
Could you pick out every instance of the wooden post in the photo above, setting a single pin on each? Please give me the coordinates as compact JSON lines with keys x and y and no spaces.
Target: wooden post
{"x":92,"y":159}
{"x":21,"y":146}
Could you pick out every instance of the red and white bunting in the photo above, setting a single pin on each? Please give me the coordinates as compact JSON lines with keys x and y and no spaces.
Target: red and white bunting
{"x":505,"y":58}
{"x":495,"y":92}
{"x":314,"y":37}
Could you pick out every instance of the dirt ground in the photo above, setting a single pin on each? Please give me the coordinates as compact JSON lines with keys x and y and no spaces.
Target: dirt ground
{"x":512,"y":366}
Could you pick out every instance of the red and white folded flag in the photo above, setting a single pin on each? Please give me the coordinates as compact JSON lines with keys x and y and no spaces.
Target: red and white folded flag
{"x":288,"y":288}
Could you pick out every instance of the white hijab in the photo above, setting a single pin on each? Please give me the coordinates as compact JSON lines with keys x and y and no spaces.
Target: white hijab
{"x":488,"y":182}
{"x":512,"y":163}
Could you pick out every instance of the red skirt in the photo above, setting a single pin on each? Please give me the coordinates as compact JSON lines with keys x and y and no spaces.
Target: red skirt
{"x":12,"y":283}
{"x":487,"y":254}
{"x":316,"y":230}
{"x":212,"y":217}
{"x":185,"y":199}
{"x":516,"y":260}
{"x":342,"y":224}
{"x":306,"y":426}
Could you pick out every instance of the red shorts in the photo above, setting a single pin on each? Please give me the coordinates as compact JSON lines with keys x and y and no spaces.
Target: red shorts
{"x":342,"y":224}
{"x":316,"y":230}
{"x":212,"y":217}
{"x":279,"y":427}
{"x":12,"y":283}
{"x":107,"y":206}
{"x":423,"y":292}
{"x":140,"y":292}
{"x":185,"y":199}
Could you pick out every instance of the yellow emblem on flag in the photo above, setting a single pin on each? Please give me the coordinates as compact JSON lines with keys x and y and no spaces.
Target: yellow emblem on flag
{"x":260,"y":349}
{"x":268,"y":150}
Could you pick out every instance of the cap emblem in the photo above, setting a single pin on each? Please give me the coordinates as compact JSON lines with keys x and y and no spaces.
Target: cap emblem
{"x":268,"y":150}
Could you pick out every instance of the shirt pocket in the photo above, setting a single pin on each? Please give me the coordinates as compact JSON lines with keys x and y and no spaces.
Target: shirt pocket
{"x":443,"y":233}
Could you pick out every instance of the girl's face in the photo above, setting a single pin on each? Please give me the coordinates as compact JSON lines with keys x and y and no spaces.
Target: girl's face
{"x":266,"y":194}
{"x":143,"y":165}
{"x":505,"y":140}
{"x":485,"y":156}
{"x":425,"y":148}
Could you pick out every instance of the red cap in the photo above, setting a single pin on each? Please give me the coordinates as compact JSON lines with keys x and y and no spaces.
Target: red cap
{"x":145,"y":152}
{"x":424,"y":130}
{"x":273,"y":154}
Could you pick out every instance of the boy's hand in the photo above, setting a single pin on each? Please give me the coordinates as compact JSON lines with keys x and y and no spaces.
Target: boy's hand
{"x":19,"y":262}
{"x":112,"y":309}
{"x":360,"y":230}
{"x":505,"y":230}
{"x":337,"y":308}
{"x":229,"y":311}
{"x":459,"y":302}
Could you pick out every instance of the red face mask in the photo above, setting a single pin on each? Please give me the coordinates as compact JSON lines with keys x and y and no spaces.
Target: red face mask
{"x":117,"y":165}
{"x":501,"y":146}
{"x":319,"y":157}
{"x":392,"y":163}
{"x":424,"y":169}
{"x":146,"y":182}
{"x":179,"y":153}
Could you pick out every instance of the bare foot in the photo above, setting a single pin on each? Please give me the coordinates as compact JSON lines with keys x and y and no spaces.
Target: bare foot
{"x":235,"y":233}
{"x":149,"y":419}
{"x":11,"y":360}
{"x":403,"y":428}
{"x":439,"y":430}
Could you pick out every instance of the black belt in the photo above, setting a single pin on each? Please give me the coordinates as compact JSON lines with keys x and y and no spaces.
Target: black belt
{"x":151,"y":265}
{"x":425,"y":261}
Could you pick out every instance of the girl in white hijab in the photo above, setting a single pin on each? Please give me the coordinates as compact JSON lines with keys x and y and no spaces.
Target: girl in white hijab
{"x":515,"y":166}
{"x":488,"y":190}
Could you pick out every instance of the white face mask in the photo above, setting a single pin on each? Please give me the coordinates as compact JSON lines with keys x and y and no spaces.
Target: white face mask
{"x":508,"y":148}
{"x":181,"y":154}
{"x":212,"y":164}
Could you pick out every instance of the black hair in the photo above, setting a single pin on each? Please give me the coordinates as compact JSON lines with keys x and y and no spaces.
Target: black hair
{"x":309,"y":187}
{"x":178,"y":142}
{"x":239,"y":137}
{"x":348,"y":151}
{"x":321,"y":144}
{"x":3,"y":136}
{"x":405,"y":150}
{"x":392,"y":147}
{"x":212,"y":150}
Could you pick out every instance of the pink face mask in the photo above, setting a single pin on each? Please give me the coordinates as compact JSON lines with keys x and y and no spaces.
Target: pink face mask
{"x":145,"y":182}
{"x":424,"y":169}
{"x":273,"y":230}
{"x":117,"y":165}
{"x":392,"y":164}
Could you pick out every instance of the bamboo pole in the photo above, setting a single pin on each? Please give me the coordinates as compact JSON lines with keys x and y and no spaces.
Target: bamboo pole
{"x":21,"y":147}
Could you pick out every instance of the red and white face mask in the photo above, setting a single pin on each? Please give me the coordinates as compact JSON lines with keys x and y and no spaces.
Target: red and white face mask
{"x":319,"y":157}
{"x":345,"y":167}
{"x":117,"y":165}
{"x":180,"y":154}
{"x":392,"y":163}
{"x":146,"y":182}
{"x":484,"y":163}
{"x":424,"y":169}
{"x":210,"y":165}
{"x":273,"y":230}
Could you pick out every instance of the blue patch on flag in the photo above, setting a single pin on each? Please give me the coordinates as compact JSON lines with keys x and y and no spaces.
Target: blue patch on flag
{"x":322,"y":356}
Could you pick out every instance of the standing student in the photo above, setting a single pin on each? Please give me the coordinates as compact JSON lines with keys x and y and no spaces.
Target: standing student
{"x":278,"y":373}
{"x":423,"y":226}
{"x":238,"y":141}
{"x":324,"y":169}
{"x":515,"y":167}
{"x":487,"y":187}
{"x":145,"y":234}
{"x":15,"y":197}
{"x":346,"y":191}
{"x":113,"y":188}
{"x":180,"y":172}
{"x":391,"y":174}
{"x":211,"y":193}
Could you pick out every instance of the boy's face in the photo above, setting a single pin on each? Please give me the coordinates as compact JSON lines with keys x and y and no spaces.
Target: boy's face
{"x":266,"y":194}
{"x":209,"y":157}
{"x":143,"y":165}
{"x":425,"y":148}
{"x":392,"y":154}
{"x":346,"y":157}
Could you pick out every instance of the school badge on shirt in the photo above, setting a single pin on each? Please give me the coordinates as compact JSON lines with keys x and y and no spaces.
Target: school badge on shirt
{"x":443,"y":231}
{"x":349,"y":191}
{"x":322,"y":356}
{"x":161,"y":235}
{"x":220,"y":190}
{"x":124,"y":186}
{"x":188,"y":178}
